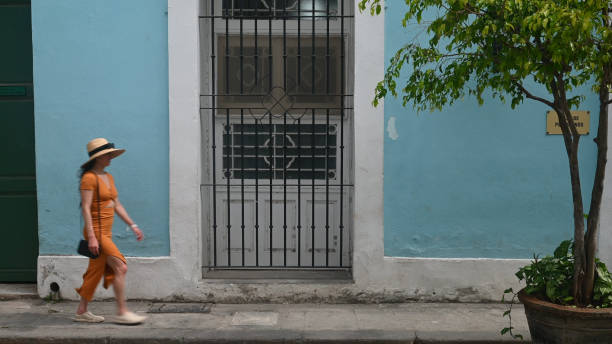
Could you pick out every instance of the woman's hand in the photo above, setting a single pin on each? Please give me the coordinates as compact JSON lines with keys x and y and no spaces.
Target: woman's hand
{"x":138,"y":233}
{"x":93,"y":245}
{"x":120,"y":210}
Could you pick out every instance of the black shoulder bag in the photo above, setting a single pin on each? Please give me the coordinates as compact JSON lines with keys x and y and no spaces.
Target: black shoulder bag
{"x":83,"y":248}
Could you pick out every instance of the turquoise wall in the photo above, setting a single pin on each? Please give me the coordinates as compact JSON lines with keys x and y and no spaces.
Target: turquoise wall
{"x":101,"y":70}
{"x":475,"y":181}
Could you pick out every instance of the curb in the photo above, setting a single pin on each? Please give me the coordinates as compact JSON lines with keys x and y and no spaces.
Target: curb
{"x":17,"y":291}
{"x":14,"y":297}
{"x":181,"y":336}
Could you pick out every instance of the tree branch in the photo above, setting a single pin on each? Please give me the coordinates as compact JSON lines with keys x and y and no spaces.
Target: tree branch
{"x":531,"y":96}
{"x":562,"y":96}
{"x":472,"y":10}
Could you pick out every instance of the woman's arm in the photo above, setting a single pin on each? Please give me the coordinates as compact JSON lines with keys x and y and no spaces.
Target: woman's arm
{"x":86,"y":200}
{"x":126,"y":218}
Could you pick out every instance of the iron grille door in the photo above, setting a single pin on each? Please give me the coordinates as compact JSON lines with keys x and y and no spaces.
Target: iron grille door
{"x":278,"y":116}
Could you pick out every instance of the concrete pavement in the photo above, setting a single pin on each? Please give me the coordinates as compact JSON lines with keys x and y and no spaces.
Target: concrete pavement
{"x":32,"y":320}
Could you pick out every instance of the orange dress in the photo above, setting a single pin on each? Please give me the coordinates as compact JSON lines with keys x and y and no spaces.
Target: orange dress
{"x":103,"y":229}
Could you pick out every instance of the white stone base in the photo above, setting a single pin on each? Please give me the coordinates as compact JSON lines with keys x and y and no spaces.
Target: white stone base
{"x":400,"y":280}
{"x":147,"y":278}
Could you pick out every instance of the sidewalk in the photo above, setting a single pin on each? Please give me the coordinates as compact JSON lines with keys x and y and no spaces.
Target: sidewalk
{"x":32,"y":320}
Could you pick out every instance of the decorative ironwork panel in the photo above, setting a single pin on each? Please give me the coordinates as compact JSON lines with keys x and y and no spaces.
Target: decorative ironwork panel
{"x":279,"y":9}
{"x":278,"y":111}
{"x":246,"y":153}
{"x":307,"y":78}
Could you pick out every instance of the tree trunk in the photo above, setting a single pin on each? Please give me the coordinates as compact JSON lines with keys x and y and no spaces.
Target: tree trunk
{"x":591,"y":237}
{"x":579,"y":250}
{"x":571,"y":146}
{"x":571,"y":140}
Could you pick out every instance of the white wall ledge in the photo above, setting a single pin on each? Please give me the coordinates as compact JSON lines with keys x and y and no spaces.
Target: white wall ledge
{"x":406,"y":279}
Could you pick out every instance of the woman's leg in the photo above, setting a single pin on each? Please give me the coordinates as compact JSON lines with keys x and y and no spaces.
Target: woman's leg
{"x":82,"y":315}
{"x":82,"y":306}
{"x":91,"y":278}
{"x":119,"y":270}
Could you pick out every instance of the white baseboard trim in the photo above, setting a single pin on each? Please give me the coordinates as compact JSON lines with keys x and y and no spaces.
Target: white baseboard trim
{"x":399,"y":280}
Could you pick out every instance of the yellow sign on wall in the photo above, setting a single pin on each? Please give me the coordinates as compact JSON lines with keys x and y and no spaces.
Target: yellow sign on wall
{"x":581,"y":118}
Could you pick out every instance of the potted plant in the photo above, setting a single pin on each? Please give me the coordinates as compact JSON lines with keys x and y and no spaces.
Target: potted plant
{"x":503,"y":46}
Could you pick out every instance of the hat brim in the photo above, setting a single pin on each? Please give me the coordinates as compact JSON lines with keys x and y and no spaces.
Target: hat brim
{"x":113,"y":151}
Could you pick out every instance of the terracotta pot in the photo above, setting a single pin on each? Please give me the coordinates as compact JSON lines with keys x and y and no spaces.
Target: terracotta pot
{"x":551,"y":323}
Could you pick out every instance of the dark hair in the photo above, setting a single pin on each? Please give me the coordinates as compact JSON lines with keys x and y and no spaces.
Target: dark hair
{"x":86,"y":168}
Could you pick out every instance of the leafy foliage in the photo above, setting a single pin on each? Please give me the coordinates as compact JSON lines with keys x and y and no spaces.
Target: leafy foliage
{"x":550,"y":278}
{"x":508,"y":314}
{"x":498,"y":45}
{"x":602,"y":293}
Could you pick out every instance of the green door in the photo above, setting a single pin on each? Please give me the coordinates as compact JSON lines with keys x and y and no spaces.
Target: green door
{"x":18,"y":215}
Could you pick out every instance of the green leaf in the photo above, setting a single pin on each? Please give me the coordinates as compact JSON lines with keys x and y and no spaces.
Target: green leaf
{"x":563,"y":249}
{"x":551,"y":291}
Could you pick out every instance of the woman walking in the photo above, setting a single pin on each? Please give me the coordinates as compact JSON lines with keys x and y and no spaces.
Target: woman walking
{"x":99,"y":202}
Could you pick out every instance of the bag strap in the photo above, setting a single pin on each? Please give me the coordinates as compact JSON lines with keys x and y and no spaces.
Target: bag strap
{"x":98,"y":194}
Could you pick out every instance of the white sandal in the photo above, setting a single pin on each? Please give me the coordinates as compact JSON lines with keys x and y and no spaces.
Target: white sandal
{"x":88,"y":317}
{"x":129,"y":318}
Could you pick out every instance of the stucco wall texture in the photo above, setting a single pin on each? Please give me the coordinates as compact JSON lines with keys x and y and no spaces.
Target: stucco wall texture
{"x":101,"y":70}
{"x":475,"y":181}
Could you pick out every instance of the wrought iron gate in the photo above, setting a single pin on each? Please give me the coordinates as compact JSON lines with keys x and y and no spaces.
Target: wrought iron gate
{"x":278,"y":118}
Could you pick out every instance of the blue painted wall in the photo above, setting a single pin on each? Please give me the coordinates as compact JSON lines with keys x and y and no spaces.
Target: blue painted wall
{"x":476,"y":181}
{"x":101,"y":70}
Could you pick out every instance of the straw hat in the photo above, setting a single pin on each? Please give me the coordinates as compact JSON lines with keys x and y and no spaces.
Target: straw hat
{"x":100,"y":146}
